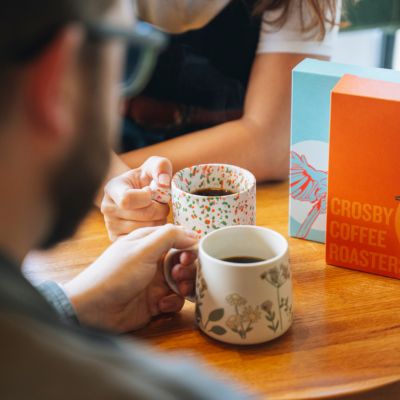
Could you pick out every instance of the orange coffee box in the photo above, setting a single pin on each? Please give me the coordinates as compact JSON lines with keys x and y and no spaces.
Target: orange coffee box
{"x":363,"y":220}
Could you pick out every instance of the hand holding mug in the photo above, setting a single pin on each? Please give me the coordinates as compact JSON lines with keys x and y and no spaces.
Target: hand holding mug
{"x":125,"y":287}
{"x":130,"y":203}
{"x":244,"y":285}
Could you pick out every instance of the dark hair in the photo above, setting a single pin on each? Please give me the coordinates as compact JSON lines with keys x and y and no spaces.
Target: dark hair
{"x":322,"y":11}
{"x":27,"y":26}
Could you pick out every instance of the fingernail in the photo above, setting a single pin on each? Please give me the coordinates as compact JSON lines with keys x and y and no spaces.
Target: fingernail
{"x":164,"y":179}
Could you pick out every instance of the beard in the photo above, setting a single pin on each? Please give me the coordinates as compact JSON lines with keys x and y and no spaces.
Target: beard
{"x":74,"y":184}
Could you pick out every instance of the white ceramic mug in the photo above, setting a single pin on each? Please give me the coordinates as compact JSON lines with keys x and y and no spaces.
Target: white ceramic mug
{"x":241,"y":303}
{"x":203,"y":214}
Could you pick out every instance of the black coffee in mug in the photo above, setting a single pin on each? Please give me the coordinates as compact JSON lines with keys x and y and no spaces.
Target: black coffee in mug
{"x":243,"y":259}
{"x":213,"y":192}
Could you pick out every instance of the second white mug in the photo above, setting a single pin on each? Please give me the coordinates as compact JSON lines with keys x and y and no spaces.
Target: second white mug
{"x":242,"y":302}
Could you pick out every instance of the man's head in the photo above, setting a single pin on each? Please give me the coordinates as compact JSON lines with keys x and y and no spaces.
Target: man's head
{"x":58,"y":105}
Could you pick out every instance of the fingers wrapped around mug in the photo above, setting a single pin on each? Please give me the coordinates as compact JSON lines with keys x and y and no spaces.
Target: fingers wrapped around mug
{"x":184,"y":273}
{"x":121,"y":221}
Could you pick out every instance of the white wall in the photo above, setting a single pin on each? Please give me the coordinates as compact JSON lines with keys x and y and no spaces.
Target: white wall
{"x":396,"y":55}
{"x":359,"y":47}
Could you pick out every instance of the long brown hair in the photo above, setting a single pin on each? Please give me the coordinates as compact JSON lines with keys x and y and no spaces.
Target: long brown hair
{"x":322,"y":12}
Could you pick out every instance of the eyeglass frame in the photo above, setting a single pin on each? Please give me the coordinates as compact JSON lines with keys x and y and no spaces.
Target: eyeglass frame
{"x":151,"y":41}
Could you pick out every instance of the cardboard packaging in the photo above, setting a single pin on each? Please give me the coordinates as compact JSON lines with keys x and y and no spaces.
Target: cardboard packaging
{"x":363,"y":224}
{"x":312,"y":84}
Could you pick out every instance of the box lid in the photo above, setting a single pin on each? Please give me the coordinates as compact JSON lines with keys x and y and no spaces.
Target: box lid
{"x":356,"y":86}
{"x":327,"y":68}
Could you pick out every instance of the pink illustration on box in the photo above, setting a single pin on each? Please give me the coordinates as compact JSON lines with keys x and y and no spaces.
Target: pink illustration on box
{"x":310,"y":185}
{"x":204,"y":214}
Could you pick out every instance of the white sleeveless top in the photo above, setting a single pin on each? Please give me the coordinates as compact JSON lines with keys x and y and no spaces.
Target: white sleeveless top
{"x":290,"y":39}
{"x":176,"y":16}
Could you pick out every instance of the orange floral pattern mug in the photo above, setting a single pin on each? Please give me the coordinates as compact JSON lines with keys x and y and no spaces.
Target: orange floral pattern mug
{"x":204,"y":214}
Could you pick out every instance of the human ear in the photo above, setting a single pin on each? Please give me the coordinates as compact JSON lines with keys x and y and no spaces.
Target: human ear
{"x":48,"y":93}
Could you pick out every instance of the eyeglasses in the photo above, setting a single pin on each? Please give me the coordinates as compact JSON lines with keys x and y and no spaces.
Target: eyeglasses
{"x":144,"y":44}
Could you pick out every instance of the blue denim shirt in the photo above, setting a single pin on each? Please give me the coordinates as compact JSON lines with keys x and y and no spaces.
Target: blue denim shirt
{"x":56,"y":296}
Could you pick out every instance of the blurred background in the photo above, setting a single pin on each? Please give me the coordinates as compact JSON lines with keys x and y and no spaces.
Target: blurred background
{"x":370,"y":33}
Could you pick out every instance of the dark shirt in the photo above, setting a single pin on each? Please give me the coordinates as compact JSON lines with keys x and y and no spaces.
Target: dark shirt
{"x":46,"y":355}
{"x":201,"y":78}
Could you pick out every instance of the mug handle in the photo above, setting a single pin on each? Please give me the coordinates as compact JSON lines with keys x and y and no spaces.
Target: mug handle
{"x":161,"y":195}
{"x":167,"y":268}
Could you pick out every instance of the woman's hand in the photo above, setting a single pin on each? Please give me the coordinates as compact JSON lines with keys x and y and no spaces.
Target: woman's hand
{"x":127,"y":203}
{"x":125,"y":287}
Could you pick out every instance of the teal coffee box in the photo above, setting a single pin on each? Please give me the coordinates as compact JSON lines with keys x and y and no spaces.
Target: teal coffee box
{"x":312,"y":83}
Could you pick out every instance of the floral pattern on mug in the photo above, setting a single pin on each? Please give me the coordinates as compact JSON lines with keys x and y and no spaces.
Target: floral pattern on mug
{"x":241,"y":317}
{"x":241,"y":322}
{"x":204,"y":214}
{"x":214,"y":316}
{"x":277,"y":277}
{"x":201,"y":288}
{"x":245,"y":316}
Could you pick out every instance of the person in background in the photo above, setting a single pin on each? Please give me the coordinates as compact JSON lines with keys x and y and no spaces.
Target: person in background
{"x":60,"y":68}
{"x":220,"y":93}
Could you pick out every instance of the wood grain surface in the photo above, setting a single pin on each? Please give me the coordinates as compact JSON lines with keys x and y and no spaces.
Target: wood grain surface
{"x":345,"y":337}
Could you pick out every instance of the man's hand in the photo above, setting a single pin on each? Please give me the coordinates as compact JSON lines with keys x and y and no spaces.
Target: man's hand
{"x":127,"y":203}
{"x":125,"y":287}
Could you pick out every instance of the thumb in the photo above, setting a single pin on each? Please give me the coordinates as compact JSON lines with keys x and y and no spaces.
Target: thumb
{"x":167,"y":237}
{"x":122,"y":190}
{"x":117,"y":187}
{"x":158,"y":169}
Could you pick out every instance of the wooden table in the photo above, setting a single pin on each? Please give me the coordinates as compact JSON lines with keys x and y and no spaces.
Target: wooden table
{"x":345,"y":336}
